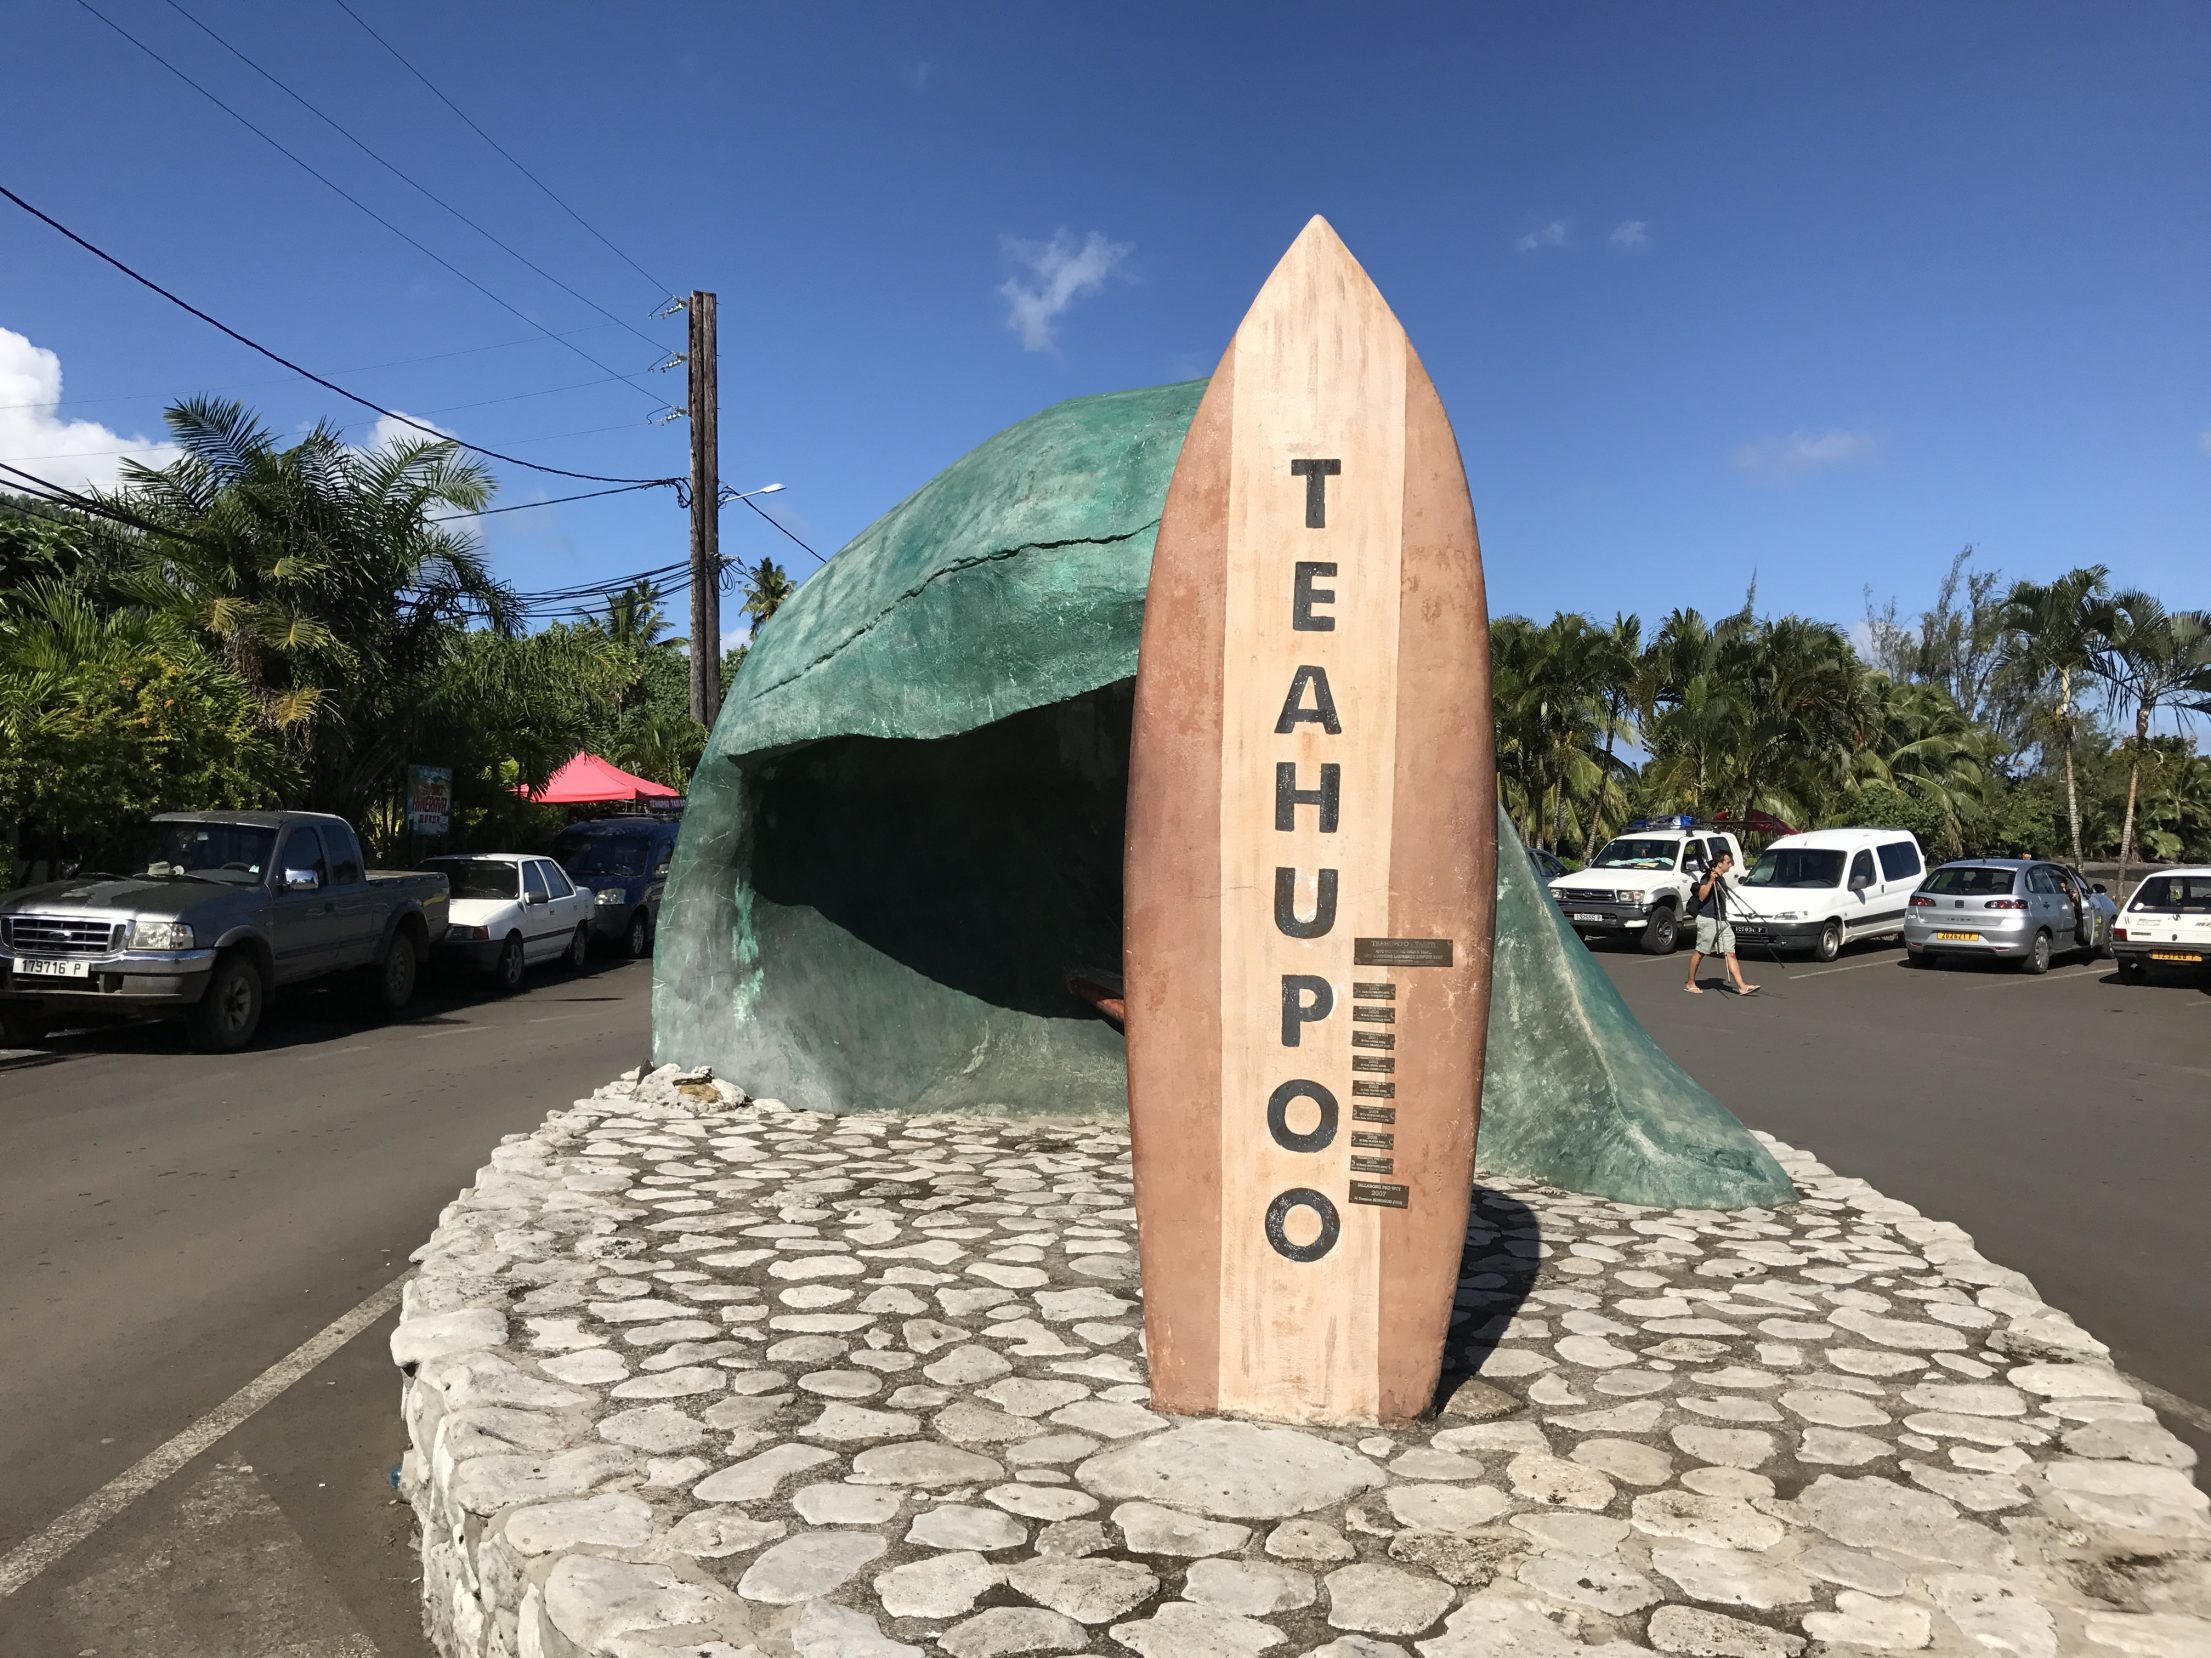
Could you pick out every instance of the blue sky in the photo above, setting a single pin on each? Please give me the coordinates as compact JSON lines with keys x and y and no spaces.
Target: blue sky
{"x":1818,"y":292}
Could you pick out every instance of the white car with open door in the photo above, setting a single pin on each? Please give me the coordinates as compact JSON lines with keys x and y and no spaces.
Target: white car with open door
{"x":2166,"y":926}
{"x":511,"y":910}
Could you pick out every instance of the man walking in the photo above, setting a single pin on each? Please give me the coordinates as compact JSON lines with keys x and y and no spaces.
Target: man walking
{"x":1715,"y":933}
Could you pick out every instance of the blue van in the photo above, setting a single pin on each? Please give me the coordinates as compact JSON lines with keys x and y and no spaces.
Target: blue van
{"x":623,"y":863}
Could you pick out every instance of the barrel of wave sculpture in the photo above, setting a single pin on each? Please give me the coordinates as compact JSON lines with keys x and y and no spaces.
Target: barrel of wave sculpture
{"x":903,"y":847}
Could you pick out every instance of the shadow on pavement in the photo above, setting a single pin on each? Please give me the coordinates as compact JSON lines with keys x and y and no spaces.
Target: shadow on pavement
{"x":1496,"y":1271}
{"x":324,"y":1012}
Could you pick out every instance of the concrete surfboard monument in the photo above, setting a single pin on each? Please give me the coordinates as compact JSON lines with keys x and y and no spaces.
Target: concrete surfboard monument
{"x":1311,"y":870}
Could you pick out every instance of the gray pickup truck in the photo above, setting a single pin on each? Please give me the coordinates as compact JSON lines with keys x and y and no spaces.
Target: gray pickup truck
{"x":222,"y":908}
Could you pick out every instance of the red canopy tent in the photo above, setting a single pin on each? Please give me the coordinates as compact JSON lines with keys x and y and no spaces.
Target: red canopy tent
{"x":588,"y":780}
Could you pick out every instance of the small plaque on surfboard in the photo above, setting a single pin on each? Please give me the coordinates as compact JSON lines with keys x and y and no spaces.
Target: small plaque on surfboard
{"x":1311,"y":870}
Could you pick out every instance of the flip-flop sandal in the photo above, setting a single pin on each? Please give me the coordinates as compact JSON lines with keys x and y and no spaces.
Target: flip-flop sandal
{"x":1749,"y":990}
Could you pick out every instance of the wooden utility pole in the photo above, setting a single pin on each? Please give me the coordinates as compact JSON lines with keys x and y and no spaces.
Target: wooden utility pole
{"x":706,"y":518}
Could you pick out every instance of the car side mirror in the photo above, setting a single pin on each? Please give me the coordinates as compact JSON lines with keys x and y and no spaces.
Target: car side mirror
{"x":302,"y":880}
{"x":2100,"y":887}
{"x":1858,"y":883}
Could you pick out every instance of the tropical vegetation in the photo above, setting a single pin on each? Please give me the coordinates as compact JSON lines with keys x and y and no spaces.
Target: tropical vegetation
{"x":263,"y":623}
{"x":2055,"y":718}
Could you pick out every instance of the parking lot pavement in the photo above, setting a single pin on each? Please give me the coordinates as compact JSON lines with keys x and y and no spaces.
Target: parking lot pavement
{"x":2064,"y":1121}
{"x":174,"y":1227}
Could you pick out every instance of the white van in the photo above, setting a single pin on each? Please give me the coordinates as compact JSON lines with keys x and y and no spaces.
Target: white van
{"x":1819,"y":890}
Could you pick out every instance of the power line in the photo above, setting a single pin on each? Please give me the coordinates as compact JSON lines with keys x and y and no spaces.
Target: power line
{"x":525,"y":506}
{"x":339,"y":189}
{"x":408,"y":179}
{"x":148,"y":282}
{"x":443,"y":408}
{"x":45,"y":489}
{"x":810,"y":553}
{"x":659,"y":286}
{"x":359,"y":368}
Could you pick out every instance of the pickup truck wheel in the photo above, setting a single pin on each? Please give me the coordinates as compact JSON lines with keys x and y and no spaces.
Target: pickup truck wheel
{"x":229,"y":1010}
{"x":579,"y":949}
{"x":1828,"y":945}
{"x":22,"y":1027}
{"x":395,"y":977}
{"x":637,"y":941}
{"x":1663,"y":933}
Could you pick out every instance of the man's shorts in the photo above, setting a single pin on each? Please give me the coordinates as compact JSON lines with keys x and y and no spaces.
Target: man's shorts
{"x":1715,"y":938}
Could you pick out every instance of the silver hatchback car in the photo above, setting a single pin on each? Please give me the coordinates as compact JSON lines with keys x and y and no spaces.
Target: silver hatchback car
{"x":2012,"y":909}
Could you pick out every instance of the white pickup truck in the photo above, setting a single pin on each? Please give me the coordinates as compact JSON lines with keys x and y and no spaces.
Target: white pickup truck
{"x":1638,"y":885}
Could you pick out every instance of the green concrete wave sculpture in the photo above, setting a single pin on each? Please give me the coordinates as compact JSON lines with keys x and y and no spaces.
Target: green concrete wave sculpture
{"x":904,"y":841}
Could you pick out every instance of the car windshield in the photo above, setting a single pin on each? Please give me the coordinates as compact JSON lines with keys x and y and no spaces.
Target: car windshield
{"x":2175,"y":894}
{"x":479,"y":877}
{"x":591,"y":857}
{"x":1797,"y":866}
{"x":1637,"y":852}
{"x":237,"y":853}
{"x":1971,"y":881}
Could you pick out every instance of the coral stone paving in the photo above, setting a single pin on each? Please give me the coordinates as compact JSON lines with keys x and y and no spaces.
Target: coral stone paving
{"x":694,"y":1374}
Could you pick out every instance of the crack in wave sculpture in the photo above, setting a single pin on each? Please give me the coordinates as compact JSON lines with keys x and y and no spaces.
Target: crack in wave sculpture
{"x":906,"y":838}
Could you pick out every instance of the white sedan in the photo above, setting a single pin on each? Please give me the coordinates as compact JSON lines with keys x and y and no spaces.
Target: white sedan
{"x":510,"y":909}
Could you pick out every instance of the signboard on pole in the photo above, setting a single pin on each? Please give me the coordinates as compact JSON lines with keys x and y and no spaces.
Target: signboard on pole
{"x":429,"y":800}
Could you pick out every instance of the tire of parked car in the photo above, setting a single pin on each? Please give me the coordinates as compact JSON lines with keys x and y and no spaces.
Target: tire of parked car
{"x":637,"y":938}
{"x":229,"y":1011}
{"x":2131,"y":972}
{"x":2037,"y":958}
{"x":1663,"y":935}
{"x":506,"y":972}
{"x":579,"y":949}
{"x":397,"y":972}
{"x":1828,"y":945}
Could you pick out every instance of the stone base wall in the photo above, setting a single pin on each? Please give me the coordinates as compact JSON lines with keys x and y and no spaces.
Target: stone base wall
{"x":687,"y":1373}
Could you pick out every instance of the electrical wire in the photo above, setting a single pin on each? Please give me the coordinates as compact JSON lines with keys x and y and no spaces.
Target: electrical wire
{"x":443,"y":408}
{"x":558,"y":500}
{"x":339,"y":189}
{"x":256,"y":385}
{"x":810,"y":553}
{"x":659,"y":286}
{"x":409,"y":179}
{"x":45,"y":489}
{"x":309,"y":374}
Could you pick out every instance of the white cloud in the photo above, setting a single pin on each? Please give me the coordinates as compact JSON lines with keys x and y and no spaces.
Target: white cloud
{"x":1550,"y":235}
{"x":386,"y":430}
{"x":2206,"y":440}
{"x":1052,"y":277}
{"x":1782,"y":460}
{"x":1861,"y":639}
{"x":1631,"y":233}
{"x":75,"y":454}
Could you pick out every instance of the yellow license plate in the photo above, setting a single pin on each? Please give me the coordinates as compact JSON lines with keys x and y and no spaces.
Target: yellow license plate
{"x":2174,"y":955}
{"x":1959,"y":938}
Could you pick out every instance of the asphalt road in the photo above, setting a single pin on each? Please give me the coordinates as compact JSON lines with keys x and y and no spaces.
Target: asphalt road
{"x":173,"y":1224}
{"x":2064,"y":1121}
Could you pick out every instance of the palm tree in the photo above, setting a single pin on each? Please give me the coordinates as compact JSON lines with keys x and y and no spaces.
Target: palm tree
{"x":2151,"y":658}
{"x":633,"y":617}
{"x":767,"y":584}
{"x":2052,"y":637}
{"x":1616,"y":665}
{"x":323,"y":576}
